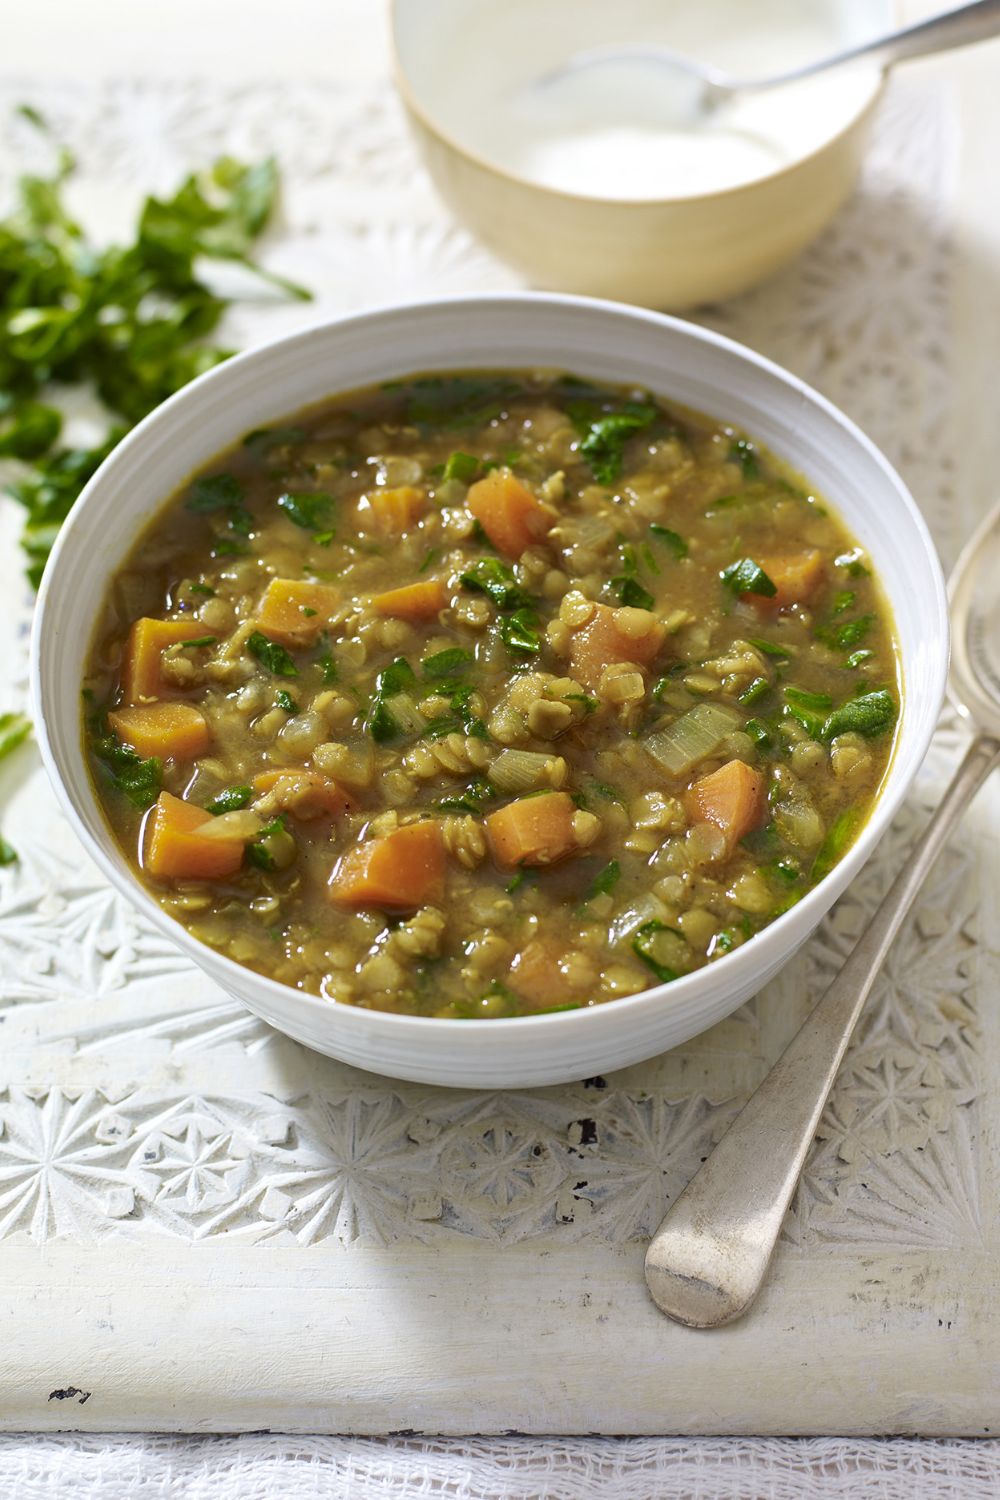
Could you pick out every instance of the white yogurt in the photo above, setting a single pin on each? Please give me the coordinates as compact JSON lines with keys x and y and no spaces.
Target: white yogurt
{"x":626,"y":130}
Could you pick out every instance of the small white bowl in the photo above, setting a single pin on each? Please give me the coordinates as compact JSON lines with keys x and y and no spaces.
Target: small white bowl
{"x":673,"y":250}
{"x":607,"y":342}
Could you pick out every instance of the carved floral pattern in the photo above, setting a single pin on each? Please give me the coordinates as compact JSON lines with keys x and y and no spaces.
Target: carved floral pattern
{"x":288,"y":1149}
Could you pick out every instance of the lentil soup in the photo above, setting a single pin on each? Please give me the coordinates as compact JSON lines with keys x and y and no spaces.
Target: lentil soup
{"x":489,"y":694}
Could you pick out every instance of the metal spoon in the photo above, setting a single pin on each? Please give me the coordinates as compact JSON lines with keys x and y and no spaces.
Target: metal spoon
{"x":707,"y":1261}
{"x":955,"y":28}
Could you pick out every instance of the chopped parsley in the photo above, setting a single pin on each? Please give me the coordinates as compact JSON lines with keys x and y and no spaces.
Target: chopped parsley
{"x":230,"y":800}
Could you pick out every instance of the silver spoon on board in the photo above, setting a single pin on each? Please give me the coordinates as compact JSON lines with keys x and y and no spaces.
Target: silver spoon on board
{"x":708,"y":1259}
{"x":712,"y":87}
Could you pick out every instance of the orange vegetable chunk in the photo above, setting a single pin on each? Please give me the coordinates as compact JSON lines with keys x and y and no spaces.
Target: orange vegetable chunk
{"x":532,"y":830}
{"x":538,"y":973}
{"x":173,"y":731}
{"x":732,"y":798}
{"x":508,"y":512}
{"x":395,"y":510}
{"x":795,"y":576}
{"x":414,"y":601}
{"x":177,"y":847}
{"x":142,"y":678}
{"x":293,"y":611}
{"x":305,"y":794}
{"x":397,"y":872}
{"x":602,"y":641}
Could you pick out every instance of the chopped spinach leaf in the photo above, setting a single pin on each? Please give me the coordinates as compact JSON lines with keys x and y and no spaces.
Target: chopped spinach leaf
{"x":605,"y":880}
{"x":309,"y":510}
{"x":870,"y":715}
{"x":447,"y":663}
{"x":271,"y":655}
{"x":230,"y":800}
{"x":603,"y":445}
{"x":645,"y":946}
{"x":496,"y":580}
{"x":519,"y":633}
{"x":670,"y":539}
{"x":462,"y":466}
{"x":283,"y":699}
{"x":747,"y":577}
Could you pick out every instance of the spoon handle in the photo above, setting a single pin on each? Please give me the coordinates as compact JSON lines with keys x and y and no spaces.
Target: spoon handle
{"x":706,"y":1262}
{"x":954,"y":28}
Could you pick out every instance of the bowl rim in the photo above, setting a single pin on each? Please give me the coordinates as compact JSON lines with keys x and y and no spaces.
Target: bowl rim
{"x":358,"y":1020}
{"x":402,"y":80}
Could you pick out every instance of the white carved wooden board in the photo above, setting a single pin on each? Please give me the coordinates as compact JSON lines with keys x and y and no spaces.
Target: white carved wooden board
{"x":204,"y":1226}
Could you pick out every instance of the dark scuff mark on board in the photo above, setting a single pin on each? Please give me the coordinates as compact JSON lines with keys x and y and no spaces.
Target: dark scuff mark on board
{"x":68,"y":1393}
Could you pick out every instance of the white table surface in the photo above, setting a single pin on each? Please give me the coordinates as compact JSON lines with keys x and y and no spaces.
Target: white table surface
{"x":63,"y":40}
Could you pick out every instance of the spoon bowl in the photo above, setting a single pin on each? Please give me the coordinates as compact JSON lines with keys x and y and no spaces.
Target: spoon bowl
{"x":976,"y":22}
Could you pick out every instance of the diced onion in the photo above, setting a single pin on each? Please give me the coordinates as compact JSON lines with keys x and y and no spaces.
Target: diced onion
{"x":241,"y":824}
{"x":692,"y":737}
{"x":519,"y":770}
{"x":406,"y":714}
{"x":645,"y":909}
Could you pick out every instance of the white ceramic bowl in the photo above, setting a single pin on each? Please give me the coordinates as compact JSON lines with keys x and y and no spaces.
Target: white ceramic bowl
{"x":602,"y":340}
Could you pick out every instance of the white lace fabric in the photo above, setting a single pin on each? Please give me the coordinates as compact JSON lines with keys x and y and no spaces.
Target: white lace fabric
{"x":259,"y":1466}
{"x":863,"y":315}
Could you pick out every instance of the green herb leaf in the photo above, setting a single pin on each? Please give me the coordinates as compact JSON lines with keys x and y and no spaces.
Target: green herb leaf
{"x":870,"y":715}
{"x":230,"y":800}
{"x":846,"y":635}
{"x":631,"y":592}
{"x":605,"y":880}
{"x":754,"y":690}
{"x":852,"y":562}
{"x":137,"y":779}
{"x":28,"y":428}
{"x":747,"y":577}
{"x":604,"y":443}
{"x":273,"y":848}
{"x":771,"y":648}
{"x":472,"y":799}
{"x":670,"y":539}
{"x":758,"y":732}
{"x":839,"y":836}
{"x":646,"y":944}
{"x":462,"y":466}
{"x":744,"y":453}
{"x":309,"y":510}
{"x":130,"y":321}
{"x":201,"y":640}
{"x":214,"y":492}
{"x":14,"y":730}
{"x":496,"y":580}
{"x":271,"y":655}
{"x":519,"y":633}
{"x":447,"y":663}
{"x":283,"y":699}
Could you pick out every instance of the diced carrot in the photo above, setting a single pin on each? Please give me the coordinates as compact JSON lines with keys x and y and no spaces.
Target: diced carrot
{"x":305,"y":794}
{"x":508,"y":512}
{"x":732,"y":798}
{"x":532,"y":830}
{"x":294,"y":612}
{"x":538,"y":973}
{"x":602,"y":640}
{"x":796,"y":576}
{"x":395,"y":510}
{"x":142,"y":678}
{"x":397,"y":872}
{"x":177,"y":847}
{"x":176,"y":731}
{"x":414,"y":601}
